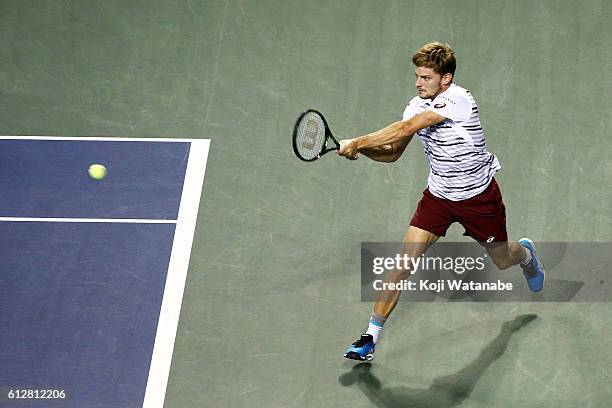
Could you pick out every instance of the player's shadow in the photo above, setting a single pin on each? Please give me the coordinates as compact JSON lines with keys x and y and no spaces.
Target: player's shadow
{"x":445,"y":392}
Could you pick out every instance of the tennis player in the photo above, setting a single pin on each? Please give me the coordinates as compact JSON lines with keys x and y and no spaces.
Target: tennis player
{"x":461,"y":186}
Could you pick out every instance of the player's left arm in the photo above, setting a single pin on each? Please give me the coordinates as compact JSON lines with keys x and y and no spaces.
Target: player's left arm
{"x":394,"y":133}
{"x":386,"y":153}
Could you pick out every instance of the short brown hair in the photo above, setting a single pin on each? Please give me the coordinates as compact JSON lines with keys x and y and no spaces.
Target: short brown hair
{"x":438,"y":56}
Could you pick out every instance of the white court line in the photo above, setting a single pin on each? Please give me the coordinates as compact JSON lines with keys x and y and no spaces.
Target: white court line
{"x":99,"y":139}
{"x":177,"y":275}
{"x":93,"y":220}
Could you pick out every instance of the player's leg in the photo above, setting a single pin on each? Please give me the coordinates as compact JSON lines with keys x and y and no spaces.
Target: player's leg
{"x":430,"y":221}
{"x":522,"y":252}
{"x":416,"y":242}
{"x":484,"y":219}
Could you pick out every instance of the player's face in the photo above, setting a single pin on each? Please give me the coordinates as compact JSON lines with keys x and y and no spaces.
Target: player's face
{"x":428,"y":82}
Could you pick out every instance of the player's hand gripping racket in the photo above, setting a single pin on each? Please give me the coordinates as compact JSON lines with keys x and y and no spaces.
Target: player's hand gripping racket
{"x":310,"y":136}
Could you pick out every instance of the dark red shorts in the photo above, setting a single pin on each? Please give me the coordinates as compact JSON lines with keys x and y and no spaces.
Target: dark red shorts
{"x":483,"y":216}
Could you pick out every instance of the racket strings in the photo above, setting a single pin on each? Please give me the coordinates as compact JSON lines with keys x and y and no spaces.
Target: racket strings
{"x":310,"y":136}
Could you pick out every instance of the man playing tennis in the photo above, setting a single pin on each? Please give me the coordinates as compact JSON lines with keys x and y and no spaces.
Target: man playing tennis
{"x":460,"y":187}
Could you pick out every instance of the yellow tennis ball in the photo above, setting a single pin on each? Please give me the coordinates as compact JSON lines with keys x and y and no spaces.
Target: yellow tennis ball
{"x":97,"y":171}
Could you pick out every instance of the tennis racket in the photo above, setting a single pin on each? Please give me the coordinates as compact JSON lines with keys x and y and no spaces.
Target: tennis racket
{"x":311,"y":135}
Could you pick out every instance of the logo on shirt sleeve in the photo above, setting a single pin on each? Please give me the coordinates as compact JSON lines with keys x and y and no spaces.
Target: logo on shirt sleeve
{"x":439,"y":105}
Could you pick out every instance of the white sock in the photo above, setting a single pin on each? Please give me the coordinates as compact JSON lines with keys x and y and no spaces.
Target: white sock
{"x":527,"y":259}
{"x":374,"y":330}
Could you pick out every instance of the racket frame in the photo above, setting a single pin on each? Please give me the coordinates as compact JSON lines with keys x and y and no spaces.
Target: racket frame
{"x":328,"y":136}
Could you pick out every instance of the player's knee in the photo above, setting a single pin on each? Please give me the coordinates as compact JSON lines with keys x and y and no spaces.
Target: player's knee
{"x":399,"y":274}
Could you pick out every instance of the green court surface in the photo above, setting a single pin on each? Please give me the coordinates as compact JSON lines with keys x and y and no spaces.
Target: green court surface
{"x":272,"y":297}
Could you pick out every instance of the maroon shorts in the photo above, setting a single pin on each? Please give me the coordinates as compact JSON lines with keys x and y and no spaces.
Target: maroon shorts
{"x":483,"y":216}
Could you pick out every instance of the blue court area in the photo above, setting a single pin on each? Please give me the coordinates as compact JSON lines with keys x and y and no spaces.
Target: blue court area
{"x":82,"y":302}
{"x":81,"y":297}
{"x":48,"y":178}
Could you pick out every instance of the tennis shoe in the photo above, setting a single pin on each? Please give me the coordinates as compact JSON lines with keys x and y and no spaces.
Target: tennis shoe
{"x":362,"y":349}
{"x":534,"y":271}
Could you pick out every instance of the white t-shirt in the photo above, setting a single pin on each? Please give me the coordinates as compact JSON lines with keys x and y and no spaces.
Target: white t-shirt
{"x":459,"y":163}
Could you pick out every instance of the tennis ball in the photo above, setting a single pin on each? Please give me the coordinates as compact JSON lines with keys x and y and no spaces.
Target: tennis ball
{"x":97,"y":171}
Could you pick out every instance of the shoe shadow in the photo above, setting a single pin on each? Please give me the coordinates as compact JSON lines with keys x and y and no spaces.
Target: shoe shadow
{"x":445,"y":392}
